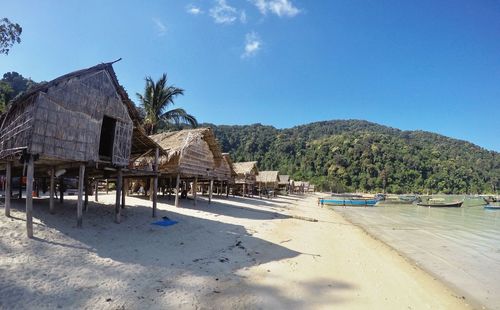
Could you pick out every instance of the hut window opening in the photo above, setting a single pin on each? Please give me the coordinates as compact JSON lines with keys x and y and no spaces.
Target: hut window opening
{"x":107,"y":138}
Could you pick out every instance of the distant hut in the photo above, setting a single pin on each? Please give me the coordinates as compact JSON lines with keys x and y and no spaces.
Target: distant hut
{"x":192,"y":155}
{"x":284,"y":183}
{"x":81,"y":123}
{"x":225,"y":173}
{"x":267,"y":181}
{"x":246,"y":173}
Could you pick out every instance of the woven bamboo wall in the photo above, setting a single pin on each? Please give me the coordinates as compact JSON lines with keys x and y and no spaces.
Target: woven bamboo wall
{"x":67,"y":119}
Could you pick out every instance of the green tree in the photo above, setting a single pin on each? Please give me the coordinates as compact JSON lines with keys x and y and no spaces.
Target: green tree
{"x":10,"y":33}
{"x":157,"y":97}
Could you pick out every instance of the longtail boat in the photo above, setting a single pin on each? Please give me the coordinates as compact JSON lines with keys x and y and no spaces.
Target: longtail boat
{"x":440,"y":203}
{"x":354,"y":202}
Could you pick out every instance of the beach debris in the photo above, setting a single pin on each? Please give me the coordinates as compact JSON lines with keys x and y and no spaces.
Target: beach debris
{"x":109,"y":299}
{"x":304,"y":218}
{"x":284,"y":241}
{"x":217,"y":292}
{"x":224,"y":260}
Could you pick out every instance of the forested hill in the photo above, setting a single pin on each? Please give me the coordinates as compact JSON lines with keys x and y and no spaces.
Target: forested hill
{"x":349,"y":155}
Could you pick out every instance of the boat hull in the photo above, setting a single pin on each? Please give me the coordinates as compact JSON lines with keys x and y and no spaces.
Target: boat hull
{"x":440,"y":205}
{"x":492,"y":207}
{"x":350,"y":202}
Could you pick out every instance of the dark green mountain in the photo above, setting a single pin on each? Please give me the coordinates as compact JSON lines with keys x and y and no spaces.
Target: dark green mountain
{"x":349,"y":155}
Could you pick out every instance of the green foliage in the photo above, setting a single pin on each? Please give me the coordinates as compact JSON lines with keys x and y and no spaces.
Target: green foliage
{"x":12,"y":85}
{"x":357,"y":155}
{"x":10,"y":33}
{"x":157,"y":97}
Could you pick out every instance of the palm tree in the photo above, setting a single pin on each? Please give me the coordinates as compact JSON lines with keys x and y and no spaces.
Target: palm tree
{"x":155,"y":100}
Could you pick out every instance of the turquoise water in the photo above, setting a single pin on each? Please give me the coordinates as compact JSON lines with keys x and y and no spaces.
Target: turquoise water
{"x":460,"y":246}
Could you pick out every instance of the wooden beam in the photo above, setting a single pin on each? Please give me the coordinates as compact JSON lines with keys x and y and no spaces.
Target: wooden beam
{"x":210,"y":191}
{"x":8,"y":187}
{"x":155,"y":182}
{"x":96,"y":181}
{"x":118,"y":194}
{"x":79,"y":204}
{"x":124,"y":192}
{"x":177,"y":190}
{"x":29,"y":197}
{"x":61,"y":189}
{"x":86,"y":185}
{"x":195,"y":190}
{"x":51,"y":190}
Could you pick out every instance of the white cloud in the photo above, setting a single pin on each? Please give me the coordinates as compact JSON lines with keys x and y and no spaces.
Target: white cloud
{"x":278,"y":7}
{"x":222,"y":13}
{"x":243,"y":17}
{"x":192,"y":9}
{"x":252,"y":45}
{"x":160,"y":27}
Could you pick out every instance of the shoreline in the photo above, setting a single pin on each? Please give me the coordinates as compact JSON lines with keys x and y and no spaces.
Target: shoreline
{"x":234,"y":253}
{"x":460,"y":293}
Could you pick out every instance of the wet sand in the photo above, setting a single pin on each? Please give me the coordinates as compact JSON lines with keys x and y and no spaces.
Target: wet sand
{"x":237,"y":253}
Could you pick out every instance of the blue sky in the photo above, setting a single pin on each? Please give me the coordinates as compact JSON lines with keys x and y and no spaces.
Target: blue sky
{"x":427,"y":64}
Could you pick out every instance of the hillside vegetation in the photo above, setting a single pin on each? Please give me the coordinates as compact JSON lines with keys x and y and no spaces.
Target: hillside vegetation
{"x":353,"y":155}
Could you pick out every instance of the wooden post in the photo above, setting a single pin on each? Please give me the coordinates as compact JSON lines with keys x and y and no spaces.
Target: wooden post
{"x":79,"y":215}
{"x":195,"y":190}
{"x":86,"y":191}
{"x":244,"y":187}
{"x":227,"y":189}
{"x":8,"y":189}
{"x":29,"y":197}
{"x":260,"y":190}
{"x":210,"y":190}
{"x":51,"y":190}
{"x":21,"y":186}
{"x":124,"y":192}
{"x":107,"y":187}
{"x":177,"y":190}
{"x":61,"y":189}
{"x":155,"y":182}
{"x":96,"y":190}
{"x":118,"y":196}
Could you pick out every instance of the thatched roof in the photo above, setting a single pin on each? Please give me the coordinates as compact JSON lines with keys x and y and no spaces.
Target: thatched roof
{"x":225,"y":171}
{"x":190,"y":152}
{"x":284,"y":179}
{"x":247,"y":167}
{"x":268,"y":177}
{"x":60,"y":120}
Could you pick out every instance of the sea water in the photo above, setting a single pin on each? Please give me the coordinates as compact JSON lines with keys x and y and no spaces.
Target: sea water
{"x":460,"y":246}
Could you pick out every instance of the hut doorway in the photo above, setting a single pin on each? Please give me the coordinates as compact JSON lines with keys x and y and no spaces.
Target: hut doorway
{"x":107,"y":138}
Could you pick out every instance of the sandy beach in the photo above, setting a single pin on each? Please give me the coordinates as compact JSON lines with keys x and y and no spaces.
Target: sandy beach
{"x":237,"y":253}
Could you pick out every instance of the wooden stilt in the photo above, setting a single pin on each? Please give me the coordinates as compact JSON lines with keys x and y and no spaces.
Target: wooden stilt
{"x":195,"y":190}
{"x":244,"y":187}
{"x":79,"y":205}
{"x":8,"y":188}
{"x":118,"y":196}
{"x":227,"y":189}
{"x":96,"y":181}
{"x":107,"y":187}
{"x":177,"y":190}
{"x":29,"y":197}
{"x":155,"y":182}
{"x":124,"y":192}
{"x":61,"y":189}
{"x":86,"y":191}
{"x":210,"y":190}
{"x":21,"y":186}
{"x":51,"y":190}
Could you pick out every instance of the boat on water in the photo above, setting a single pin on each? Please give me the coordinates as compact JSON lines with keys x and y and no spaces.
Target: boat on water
{"x":440,"y":203}
{"x":492,"y":207}
{"x":353,"y":202}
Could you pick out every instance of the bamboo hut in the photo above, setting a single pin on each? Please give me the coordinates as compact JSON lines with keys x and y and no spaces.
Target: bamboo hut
{"x":81,"y":123}
{"x":246,"y":173}
{"x":225,"y":173}
{"x":268,"y":182}
{"x":284,"y":183}
{"x":192,"y":155}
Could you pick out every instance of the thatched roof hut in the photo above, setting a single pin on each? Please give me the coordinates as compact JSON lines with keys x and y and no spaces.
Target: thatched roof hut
{"x":284,"y":180}
{"x":225,"y":172}
{"x":246,"y":172}
{"x":268,"y":179}
{"x":83,"y":116}
{"x":190,"y":153}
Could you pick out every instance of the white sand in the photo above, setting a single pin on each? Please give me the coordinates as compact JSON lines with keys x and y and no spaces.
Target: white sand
{"x":238,"y":253}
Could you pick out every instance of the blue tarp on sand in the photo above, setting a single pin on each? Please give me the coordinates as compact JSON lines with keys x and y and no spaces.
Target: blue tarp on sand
{"x":165,"y":223}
